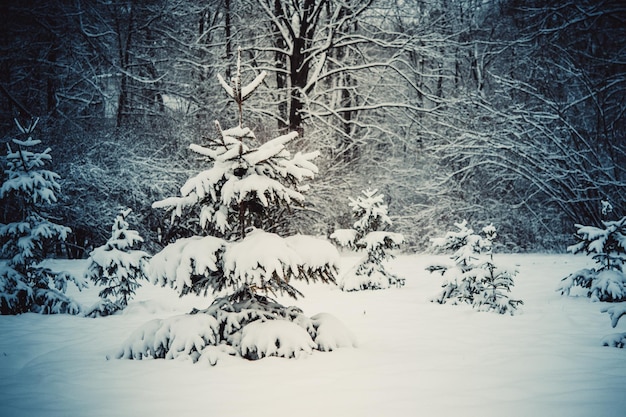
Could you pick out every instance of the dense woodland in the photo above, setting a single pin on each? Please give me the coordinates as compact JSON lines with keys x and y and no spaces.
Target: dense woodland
{"x":511,"y":112}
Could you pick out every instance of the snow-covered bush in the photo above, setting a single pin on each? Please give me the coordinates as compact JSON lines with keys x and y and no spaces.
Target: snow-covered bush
{"x":607,"y":247}
{"x":616,"y":312}
{"x":118,"y":266}
{"x":27,"y":193}
{"x":179,"y":336}
{"x":474,"y":278}
{"x":233,"y":201}
{"x":607,"y":281}
{"x":368,"y":234}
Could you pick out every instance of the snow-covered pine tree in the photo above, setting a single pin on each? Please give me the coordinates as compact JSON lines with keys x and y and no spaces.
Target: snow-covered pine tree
{"x":496,"y":281}
{"x":118,"y":266}
{"x":607,"y":247}
{"x":245,"y":184}
{"x":368,"y":234}
{"x":607,"y":281}
{"x":474,"y":278}
{"x":28,"y":192}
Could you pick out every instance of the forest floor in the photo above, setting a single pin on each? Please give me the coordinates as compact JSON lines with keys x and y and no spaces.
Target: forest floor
{"x":414,"y":357}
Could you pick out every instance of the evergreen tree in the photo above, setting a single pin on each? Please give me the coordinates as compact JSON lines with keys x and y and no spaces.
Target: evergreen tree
{"x":245,"y":184}
{"x":368,"y":234}
{"x":235,"y":197}
{"x":607,"y":247}
{"x":28,"y":192}
{"x":474,"y":278}
{"x":118,"y":266}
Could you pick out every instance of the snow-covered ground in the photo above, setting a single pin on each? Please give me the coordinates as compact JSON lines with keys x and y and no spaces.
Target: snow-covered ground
{"x":415,"y":358}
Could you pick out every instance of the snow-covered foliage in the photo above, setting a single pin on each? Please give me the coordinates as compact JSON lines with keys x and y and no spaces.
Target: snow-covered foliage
{"x":607,"y":247}
{"x":249,"y":325}
{"x":267,"y":262}
{"x":275,"y":338}
{"x":118,"y":266}
{"x":253,"y":179}
{"x":607,"y":281}
{"x":27,"y":193}
{"x":246,"y":181}
{"x":318,"y":257}
{"x":616,"y":312}
{"x":368,"y":234}
{"x":235,"y":200}
{"x":189,"y":265}
{"x":184,"y":336}
{"x":474,"y":278}
{"x":494,"y":364}
{"x":345,"y":237}
{"x":263,"y":261}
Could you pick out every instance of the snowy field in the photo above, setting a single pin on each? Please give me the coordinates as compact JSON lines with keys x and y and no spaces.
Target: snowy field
{"x":415,"y":358}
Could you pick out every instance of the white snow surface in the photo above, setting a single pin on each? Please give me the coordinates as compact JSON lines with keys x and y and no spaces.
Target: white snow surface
{"x":414,"y":357}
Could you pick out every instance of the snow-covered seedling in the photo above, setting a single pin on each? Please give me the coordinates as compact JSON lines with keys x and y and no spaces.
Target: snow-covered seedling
{"x":27,"y":194}
{"x":607,"y":247}
{"x":118,"y":266}
{"x":234,"y":201}
{"x":474,"y":278}
{"x":368,"y":234}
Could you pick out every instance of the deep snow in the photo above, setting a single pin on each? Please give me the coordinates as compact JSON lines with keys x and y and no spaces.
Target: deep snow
{"x":414,"y":357}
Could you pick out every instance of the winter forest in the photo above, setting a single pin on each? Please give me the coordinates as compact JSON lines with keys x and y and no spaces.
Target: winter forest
{"x":377,"y":189}
{"x":509,"y":112}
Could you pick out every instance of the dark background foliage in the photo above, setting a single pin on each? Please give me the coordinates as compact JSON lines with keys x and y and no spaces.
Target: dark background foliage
{"x":509,"y":112}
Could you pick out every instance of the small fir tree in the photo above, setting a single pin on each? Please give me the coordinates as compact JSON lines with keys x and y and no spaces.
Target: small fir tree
{"x":29,"y":190}
{"x":474,"y":278}
{"x":368,"y":234}
{"x":118,"y":266}
{"x":607,"y":247}
{"x":607,"y":281}
{"x":245,"y":184}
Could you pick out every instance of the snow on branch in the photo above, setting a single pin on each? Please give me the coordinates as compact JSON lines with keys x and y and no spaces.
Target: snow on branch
{"x":188,"y":265}
{"x":615,"y":312}
{"x":235,"y":90}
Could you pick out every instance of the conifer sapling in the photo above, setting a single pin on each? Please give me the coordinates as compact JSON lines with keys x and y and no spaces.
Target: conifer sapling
{"x":29,"y":192}
{"x":606,"y":282}
{"x":245,"y":184}
{"x":118,"y":266}
{"x":368,"y":234}
{"x":474,"y":278}
{"x":607,"y":247}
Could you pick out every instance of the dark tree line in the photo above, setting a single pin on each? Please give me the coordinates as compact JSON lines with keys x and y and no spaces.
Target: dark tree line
{"x":502,"y":111}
